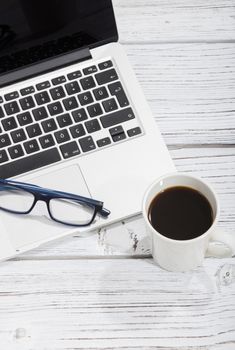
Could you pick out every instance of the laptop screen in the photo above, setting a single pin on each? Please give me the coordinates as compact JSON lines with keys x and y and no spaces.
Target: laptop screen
{"x":36,"y":30}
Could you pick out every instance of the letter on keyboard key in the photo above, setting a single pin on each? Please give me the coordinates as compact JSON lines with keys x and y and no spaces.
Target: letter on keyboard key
{"x":16,"y":151}
{"x":24,"y":118}
{"x":79,"y":115}
{"x":4,"y":140}
{"x":9,"y":123}
{"x":118,"y":117}
{"x":55,"y":108}
{"x":29,"y":163}
{"x":47,"y":141}
{"x":31,"y":146}
{"x":40,"y":113}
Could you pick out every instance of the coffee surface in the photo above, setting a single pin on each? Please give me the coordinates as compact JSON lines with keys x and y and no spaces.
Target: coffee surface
{"x":180,"y":213}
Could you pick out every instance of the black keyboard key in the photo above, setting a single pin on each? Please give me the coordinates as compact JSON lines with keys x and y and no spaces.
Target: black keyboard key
{"x":106,"y":77}
{"x":11,"y":108}
{"x":90,"y":70}
{"x":27,"y":103}
{"x":105,"y":65}
{"x":92,"y":126}
{"x":104,"y":142}
{"x":42,"y":86}
{"x":1,"y":99}
{"x":72,"y":88}
{"x":9,"y":123}
{"x":28,"y":90}
{"x":87,"y":83}
{"x":18,"y":135}
{"x":87,"y":144}
{"x":116,"y":130}
{"x":31,"y":146}
{"x":47,"y":141}
{"x":77,"y":131}
{"x":70,"y":103}
{"x":3,"y":156}
{"x":85,"y":98}
{"x":57,"y":93}
{"x":11,"y":96}
{"x":79,"y":115}
{"x":134,"y":132}
{"x":42,"y":98}
{"x":117,"y":117}
{"x":116,"y":89}
{"x":94,"y":110}
{"x":30,"y":163}
{"x":55,"y":108}
{"x":49,"y":125}
{"x":2,"y":114}
{"x":70,"y":150}
{"x":110,"y":105}
{"x":119,"y":137}
{"x":34,"y":130}
{"x":74,"y":75}
{"x":24,"y":118}
{"x":40,"y":113}
{"x":62,"y":136}
{"x":16,"y":151}
{"x":117,"y":133}
{"x":4,"y":141}
{"x":64,"y":120}
{"x":58,"y":80}
{"x":100,"y":93}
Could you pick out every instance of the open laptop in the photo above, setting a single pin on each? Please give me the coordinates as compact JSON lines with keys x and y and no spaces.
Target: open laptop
{"x":72,"y":115}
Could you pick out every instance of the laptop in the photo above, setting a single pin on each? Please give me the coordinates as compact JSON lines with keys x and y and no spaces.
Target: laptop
{"x":72,"y":115}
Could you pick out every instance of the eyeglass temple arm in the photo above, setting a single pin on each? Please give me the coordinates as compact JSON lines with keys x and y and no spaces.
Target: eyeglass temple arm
{"x":9,"y":182}
{"x":104,"y":212}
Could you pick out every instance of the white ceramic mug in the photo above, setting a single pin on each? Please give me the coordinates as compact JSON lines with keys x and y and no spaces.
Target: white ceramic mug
{"x":184,"y":255}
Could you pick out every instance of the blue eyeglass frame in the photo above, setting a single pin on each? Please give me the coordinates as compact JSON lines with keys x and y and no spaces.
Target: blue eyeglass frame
{"x":45,"y":195}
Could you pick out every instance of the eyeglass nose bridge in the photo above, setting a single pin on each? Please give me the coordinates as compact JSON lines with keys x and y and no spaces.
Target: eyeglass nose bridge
{"x":42,"y":197}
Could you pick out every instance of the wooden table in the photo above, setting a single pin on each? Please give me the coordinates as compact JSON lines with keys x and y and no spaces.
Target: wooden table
{"x":104,"y":291}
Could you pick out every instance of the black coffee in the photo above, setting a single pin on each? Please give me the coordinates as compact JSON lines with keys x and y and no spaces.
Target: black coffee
{"x":180,"y":213}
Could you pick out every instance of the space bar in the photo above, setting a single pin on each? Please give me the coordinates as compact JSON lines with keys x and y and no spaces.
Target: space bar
{"x":26,"y":164}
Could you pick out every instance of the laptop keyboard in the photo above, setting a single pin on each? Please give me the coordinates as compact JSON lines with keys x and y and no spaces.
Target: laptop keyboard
{"x":65,"y":117}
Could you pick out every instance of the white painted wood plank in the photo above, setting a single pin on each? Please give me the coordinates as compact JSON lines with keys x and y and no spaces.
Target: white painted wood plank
{"x":214,"y":164}
{"x":114,"y":304}
{"x":175,"y":20}
{"x":190,"y":88}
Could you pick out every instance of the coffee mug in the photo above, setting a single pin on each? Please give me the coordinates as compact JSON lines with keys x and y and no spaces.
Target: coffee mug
{"x":184,"y":255}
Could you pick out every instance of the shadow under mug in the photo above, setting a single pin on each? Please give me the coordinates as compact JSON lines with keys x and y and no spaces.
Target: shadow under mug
{"x":185,"y":255}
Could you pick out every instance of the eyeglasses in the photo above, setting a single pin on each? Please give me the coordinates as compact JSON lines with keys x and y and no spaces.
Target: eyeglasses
{"x":65,"y":208}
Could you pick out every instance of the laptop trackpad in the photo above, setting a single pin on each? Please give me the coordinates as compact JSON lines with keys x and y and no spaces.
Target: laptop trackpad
{"x":37,"y":226}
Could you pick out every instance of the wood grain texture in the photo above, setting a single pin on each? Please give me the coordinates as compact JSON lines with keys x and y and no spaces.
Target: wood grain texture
{"x":157,"y":21}
{"x":113,"y":304}
{"x":216,"y":165}
{"x":191,"y":90}
{"x":74,"y":294}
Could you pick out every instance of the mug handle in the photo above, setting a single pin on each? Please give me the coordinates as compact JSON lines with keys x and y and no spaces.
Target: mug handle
{"x":221,"y":245}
